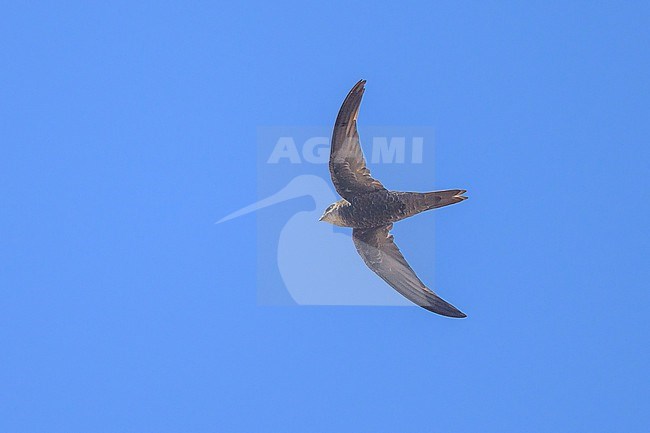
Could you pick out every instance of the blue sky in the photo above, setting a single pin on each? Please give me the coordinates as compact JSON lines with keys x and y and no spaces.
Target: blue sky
{"x":128,"y":130}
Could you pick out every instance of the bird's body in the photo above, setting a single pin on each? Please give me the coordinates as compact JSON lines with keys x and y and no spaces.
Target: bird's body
{"x":371,"y":209}
{"x":382,"y":207}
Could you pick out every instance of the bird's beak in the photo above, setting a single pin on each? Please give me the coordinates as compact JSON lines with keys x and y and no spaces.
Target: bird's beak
{"x":321,"y":218}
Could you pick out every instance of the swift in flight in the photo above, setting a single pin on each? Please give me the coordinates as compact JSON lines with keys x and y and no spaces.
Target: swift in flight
{"x":370,"y":210}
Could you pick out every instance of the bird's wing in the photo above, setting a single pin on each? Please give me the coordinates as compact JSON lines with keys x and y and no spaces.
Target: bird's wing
{"x":347,"y":165}
{"x":376,"y":247}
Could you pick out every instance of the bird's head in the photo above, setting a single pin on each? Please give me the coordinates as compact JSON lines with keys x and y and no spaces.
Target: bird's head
{"x":332,"y":215}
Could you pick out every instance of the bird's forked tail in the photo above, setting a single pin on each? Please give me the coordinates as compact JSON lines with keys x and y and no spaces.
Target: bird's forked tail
{"x":438,"y":199}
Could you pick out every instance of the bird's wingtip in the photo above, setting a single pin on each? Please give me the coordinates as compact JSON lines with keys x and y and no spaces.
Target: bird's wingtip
{"x":444,"y":308}
{"x":454,"y":314}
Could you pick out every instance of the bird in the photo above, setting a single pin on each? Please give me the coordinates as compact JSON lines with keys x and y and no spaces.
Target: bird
{"x":370,"y":210}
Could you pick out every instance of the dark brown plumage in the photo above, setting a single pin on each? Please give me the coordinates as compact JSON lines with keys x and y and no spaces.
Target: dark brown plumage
{"x":383,"y":207}
{"x":370,"y":209}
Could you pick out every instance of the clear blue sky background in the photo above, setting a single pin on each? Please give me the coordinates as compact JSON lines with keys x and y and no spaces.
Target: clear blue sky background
{"x":127,"y":130}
